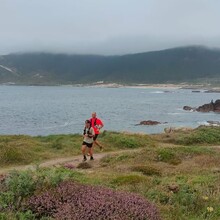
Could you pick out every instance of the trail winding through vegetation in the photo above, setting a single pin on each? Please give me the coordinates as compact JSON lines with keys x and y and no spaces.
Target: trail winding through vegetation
{"x":73,"y":160}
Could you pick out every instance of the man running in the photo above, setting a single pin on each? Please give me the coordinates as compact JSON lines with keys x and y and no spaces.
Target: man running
{"x":88,"y":135}
{"x":97,"y":124}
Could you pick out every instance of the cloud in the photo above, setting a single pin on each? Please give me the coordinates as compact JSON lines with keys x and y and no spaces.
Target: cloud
{"x":107,"y":27}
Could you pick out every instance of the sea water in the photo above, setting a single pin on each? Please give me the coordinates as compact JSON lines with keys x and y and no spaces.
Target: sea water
{"x":44,"y":110}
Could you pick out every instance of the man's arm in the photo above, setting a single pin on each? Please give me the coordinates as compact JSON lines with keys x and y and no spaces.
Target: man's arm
{"x":100,"y":124}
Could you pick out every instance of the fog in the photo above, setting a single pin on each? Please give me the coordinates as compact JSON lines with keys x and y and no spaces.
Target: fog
{"x":107,"y":27}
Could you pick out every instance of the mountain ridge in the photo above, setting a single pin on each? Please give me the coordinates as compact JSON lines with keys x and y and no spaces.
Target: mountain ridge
{"x":175,"y":65}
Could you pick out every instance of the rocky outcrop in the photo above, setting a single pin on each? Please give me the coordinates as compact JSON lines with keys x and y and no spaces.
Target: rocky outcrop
{"x":188,"y":108}
{"x":212,"y":106}
{"x":149,"y":122}
{"x":214,"y":123}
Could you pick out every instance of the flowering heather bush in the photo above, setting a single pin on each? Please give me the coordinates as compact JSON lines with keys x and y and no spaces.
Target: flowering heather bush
{"x":72,"y":200}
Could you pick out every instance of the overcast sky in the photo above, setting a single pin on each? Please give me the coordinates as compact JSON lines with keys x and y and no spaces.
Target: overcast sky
{"x":107,"y":26}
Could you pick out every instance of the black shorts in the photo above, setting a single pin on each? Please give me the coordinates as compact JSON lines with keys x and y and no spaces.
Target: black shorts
{"x":95,"y":137}
{"x":87,"y":144}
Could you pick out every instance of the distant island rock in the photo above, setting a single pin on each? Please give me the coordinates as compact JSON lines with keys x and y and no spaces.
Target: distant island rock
{"x":212,"y":106}
{"x":150,"y":122}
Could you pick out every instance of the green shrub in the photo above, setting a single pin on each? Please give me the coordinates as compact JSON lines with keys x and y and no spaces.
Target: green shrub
{"x":123,"y":140}
{"x":21,"y":184}
{"x":157,"y":196}
{"x":194,"y":150}
{"x":129,"y":179}
{"x":116,"y":158}
{"x":188,"y":199}
{"x":14,"y":155}
{"x":147,"y":170}
{"x":28,"y":215}
{"x":201,"y":135}
{"x":6,"y":199}
{"x":169,"y":156}
{"x":57,"y":145}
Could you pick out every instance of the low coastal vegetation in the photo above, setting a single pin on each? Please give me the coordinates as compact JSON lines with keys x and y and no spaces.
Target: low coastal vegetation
{"x":164,"y":176}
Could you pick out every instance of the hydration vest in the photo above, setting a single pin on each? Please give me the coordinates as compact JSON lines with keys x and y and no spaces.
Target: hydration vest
{"x":88,"y":132}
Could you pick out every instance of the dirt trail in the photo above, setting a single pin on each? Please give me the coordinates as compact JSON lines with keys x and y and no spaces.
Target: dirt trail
{"x":74,"y":160}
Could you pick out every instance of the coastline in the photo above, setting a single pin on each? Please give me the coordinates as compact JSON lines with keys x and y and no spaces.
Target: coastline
{"x":208,"y":87}
{"x":154,"y":86}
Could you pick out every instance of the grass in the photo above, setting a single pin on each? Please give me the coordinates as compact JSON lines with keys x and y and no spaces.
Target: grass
{"x":202,"y":135}
{"x":180,"y":177}
{"x":22,"y":150}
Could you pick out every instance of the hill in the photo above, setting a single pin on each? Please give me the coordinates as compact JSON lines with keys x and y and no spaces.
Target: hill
{"x":183,"y":64}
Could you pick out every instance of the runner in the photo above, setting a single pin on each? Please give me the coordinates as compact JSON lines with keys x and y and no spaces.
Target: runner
{"x":88,"y":135}
{"x":97,"y":124}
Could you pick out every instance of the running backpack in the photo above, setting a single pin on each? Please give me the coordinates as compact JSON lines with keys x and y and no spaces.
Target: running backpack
{"x":88,"y":132}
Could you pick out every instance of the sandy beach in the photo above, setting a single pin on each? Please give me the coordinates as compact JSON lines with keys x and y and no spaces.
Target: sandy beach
{"x":156,"y":86}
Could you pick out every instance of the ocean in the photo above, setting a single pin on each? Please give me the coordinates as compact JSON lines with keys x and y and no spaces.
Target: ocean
{"x":45,"y":110}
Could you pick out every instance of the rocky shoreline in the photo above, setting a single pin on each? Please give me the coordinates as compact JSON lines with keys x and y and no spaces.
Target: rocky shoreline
{"x":212,"y":106}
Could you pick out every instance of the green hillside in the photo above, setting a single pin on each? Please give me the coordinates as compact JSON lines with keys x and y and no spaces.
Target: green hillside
{"x":183,"y":64}
{"x":164,"y":176}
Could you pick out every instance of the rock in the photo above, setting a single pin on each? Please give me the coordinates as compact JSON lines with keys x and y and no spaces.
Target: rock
{"x":215,"y":123}
{"x":216,"y":170}
{"x":174,"y":188}
{"x":2,"y":178}
{"x":195,"y":91}
{"x":212,"y":106}
{"x":205,"y":108}
{"x":149,"y":122}
{"x":187,"y":108}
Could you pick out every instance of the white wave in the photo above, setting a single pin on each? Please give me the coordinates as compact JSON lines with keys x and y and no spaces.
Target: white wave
{"x":59,"y":126}
{"x":157,"y":92}
{"x":203,"y":123}
{"x":175,"y":113}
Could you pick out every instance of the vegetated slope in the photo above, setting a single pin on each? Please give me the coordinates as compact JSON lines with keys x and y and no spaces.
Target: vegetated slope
{"x":181,"y":181}
{"x":171,"y":65}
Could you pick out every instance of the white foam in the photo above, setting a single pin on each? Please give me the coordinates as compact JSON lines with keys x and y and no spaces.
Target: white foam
{"x":203,"y":123}
{"x":157,"y":92}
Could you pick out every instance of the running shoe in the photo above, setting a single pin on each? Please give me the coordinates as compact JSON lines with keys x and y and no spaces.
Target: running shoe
{"x":84,"y":158}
